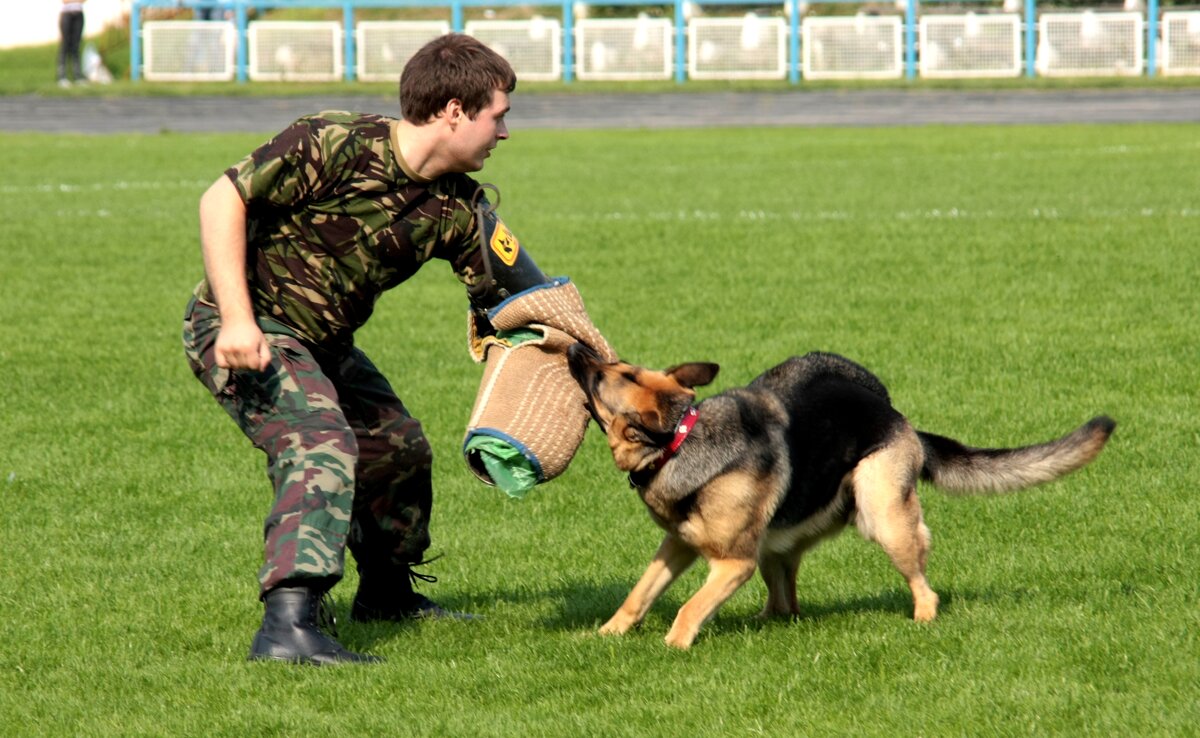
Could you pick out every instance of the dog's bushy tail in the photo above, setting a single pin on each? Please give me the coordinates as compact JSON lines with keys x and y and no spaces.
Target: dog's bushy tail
{"x":957,"y":468}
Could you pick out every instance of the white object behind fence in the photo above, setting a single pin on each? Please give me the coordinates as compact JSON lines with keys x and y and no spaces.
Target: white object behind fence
{"x":970,"y":45}
{"x":623,"y":48}
{"x":1181,"y":42}
{"x":852,"y":47}
{"x":748,"y":47}
{"x":1090,"y":44}
{"x":188,"y":51}
{"x":284,"y":51}
{"x":532,"y":47}
{"x":384,"y":47}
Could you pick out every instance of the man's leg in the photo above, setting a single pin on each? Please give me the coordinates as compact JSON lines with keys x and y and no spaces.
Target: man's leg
{"x":393,"y":496}
{"x":290,"y":412}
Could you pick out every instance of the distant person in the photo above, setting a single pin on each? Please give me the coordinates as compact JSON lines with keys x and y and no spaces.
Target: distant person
{"x":209,"y":13}
{"x":205,"y":49}
{"x":70,"y":26}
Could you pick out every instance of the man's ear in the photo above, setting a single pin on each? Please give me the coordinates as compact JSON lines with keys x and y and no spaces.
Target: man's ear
{"x":453,"y":111}
{"x":694,"y":374}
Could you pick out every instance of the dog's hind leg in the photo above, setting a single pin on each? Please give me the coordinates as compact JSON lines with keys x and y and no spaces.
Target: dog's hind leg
{"x":889,"y":513}
{"x":779,"y":569}
{"x":781,"y":551}
{"x":778,"y":572}
{"x":724,"y":578}
{"x":672,"y":559}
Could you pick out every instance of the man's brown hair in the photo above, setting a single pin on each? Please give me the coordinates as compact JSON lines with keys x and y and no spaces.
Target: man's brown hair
{"x":453,"y":66}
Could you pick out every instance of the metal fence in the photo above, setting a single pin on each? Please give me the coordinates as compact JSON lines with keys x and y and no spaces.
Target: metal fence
{"x":846,"y":40}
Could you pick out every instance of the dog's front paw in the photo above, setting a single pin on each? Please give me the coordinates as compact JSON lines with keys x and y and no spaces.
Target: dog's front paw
{"x":925,"y":606}
{"x":925,"y":612}
{"x":617,"y":625}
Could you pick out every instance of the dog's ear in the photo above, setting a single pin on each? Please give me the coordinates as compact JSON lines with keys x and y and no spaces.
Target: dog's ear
{"x":579,"y":352}
{"x":694,"y":374}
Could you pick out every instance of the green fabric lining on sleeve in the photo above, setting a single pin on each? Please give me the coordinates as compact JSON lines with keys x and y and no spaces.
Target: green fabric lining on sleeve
{"x":508,"y":467}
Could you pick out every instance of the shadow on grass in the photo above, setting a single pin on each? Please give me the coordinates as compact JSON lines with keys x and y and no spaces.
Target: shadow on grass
{"x":583,"y":606}
{"x":587,"y":605}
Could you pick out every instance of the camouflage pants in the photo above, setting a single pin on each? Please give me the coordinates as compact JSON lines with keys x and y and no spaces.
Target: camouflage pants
{"x":349,"y":465}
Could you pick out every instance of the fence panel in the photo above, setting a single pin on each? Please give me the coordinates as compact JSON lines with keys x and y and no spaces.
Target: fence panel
{"x":189,"y":51}
{"x":533,"y":47}
{"x":302,"y":51}
{"x":384,"y":47}
{"x":1181,"y":42}
{"x":749,"y":47}
{"x":852,"y":47}
{"x":970,"y":45}
{"x":1090,"y":44}
{"x":638,"y":48}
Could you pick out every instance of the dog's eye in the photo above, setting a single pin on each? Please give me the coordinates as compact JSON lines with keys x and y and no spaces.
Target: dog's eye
{"x":635,"y":435}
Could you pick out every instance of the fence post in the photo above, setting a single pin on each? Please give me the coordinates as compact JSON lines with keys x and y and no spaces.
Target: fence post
{"x":794,"y":42}
{"x":348,"y":46}
{"x":239,"y":14}
{"x":135,"y":41}
{"x":1030,"y":38}
{"x":348,"y":60}
{"x":1151,"y":37}
{"x":456,"y":16}
{"x":680,"y":41}
{"x":568,"y":47}
{"x":910,"y":39}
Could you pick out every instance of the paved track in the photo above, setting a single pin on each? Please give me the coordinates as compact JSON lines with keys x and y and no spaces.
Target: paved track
{"x":683,"y":110}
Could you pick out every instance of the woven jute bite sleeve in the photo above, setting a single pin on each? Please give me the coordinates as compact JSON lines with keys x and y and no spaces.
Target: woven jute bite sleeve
{"x":527,"y":397}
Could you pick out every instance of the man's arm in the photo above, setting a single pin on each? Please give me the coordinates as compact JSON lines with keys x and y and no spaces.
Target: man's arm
{"x":240,"y":342}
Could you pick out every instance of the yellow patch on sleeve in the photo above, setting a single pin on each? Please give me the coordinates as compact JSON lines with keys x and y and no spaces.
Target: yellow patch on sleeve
{"x":505,"y":245}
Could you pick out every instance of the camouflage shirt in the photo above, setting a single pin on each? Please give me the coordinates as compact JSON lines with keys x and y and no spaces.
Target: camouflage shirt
{"x":334,"y":218}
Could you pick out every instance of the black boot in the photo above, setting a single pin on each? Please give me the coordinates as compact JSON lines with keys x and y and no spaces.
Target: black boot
{"x":387,"y":594}
{"x":290,"y":631}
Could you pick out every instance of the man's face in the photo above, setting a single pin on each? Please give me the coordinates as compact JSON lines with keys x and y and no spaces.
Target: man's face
{"x":474,"y":139}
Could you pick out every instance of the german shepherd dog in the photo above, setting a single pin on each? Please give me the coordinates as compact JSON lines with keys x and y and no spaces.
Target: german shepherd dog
{"x":757,"y":475}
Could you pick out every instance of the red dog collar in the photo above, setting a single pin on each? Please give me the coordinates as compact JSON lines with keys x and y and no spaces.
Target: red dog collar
{"x":681,"y":433}
{"x":639,"y":479}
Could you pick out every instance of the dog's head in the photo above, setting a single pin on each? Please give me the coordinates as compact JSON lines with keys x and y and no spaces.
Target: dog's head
{"x":637,"y":408}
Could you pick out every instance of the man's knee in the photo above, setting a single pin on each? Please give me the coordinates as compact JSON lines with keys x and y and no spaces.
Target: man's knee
{"x":396,"y":453}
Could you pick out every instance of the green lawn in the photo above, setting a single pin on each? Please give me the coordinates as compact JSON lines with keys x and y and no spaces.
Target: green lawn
{"x":1007,"y":283}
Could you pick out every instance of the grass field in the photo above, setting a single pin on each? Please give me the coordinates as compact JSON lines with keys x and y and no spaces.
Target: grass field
{"x":1006,"y":283}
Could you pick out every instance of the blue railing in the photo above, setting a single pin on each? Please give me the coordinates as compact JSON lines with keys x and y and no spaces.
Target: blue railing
{"x":240,"y":9}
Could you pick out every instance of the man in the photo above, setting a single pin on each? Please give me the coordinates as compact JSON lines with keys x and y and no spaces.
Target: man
{"x":299,"y":240}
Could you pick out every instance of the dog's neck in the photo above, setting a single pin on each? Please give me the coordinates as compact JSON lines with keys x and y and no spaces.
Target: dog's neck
{"x":640,"y":478}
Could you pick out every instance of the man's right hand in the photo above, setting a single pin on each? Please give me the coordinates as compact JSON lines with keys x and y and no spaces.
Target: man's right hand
{"x":240,"y":342}
{"x":242,"y":346}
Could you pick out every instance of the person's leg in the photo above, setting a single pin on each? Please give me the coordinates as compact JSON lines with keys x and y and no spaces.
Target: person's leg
{"x":290,"y":412}
{"x":394,"y":494}
{"x":74,"y":42}
{"x":393,"y":497}
{"x":64,"y":29}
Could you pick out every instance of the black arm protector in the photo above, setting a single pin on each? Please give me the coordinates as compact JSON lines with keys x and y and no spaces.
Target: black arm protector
{"x":508,"y":268}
